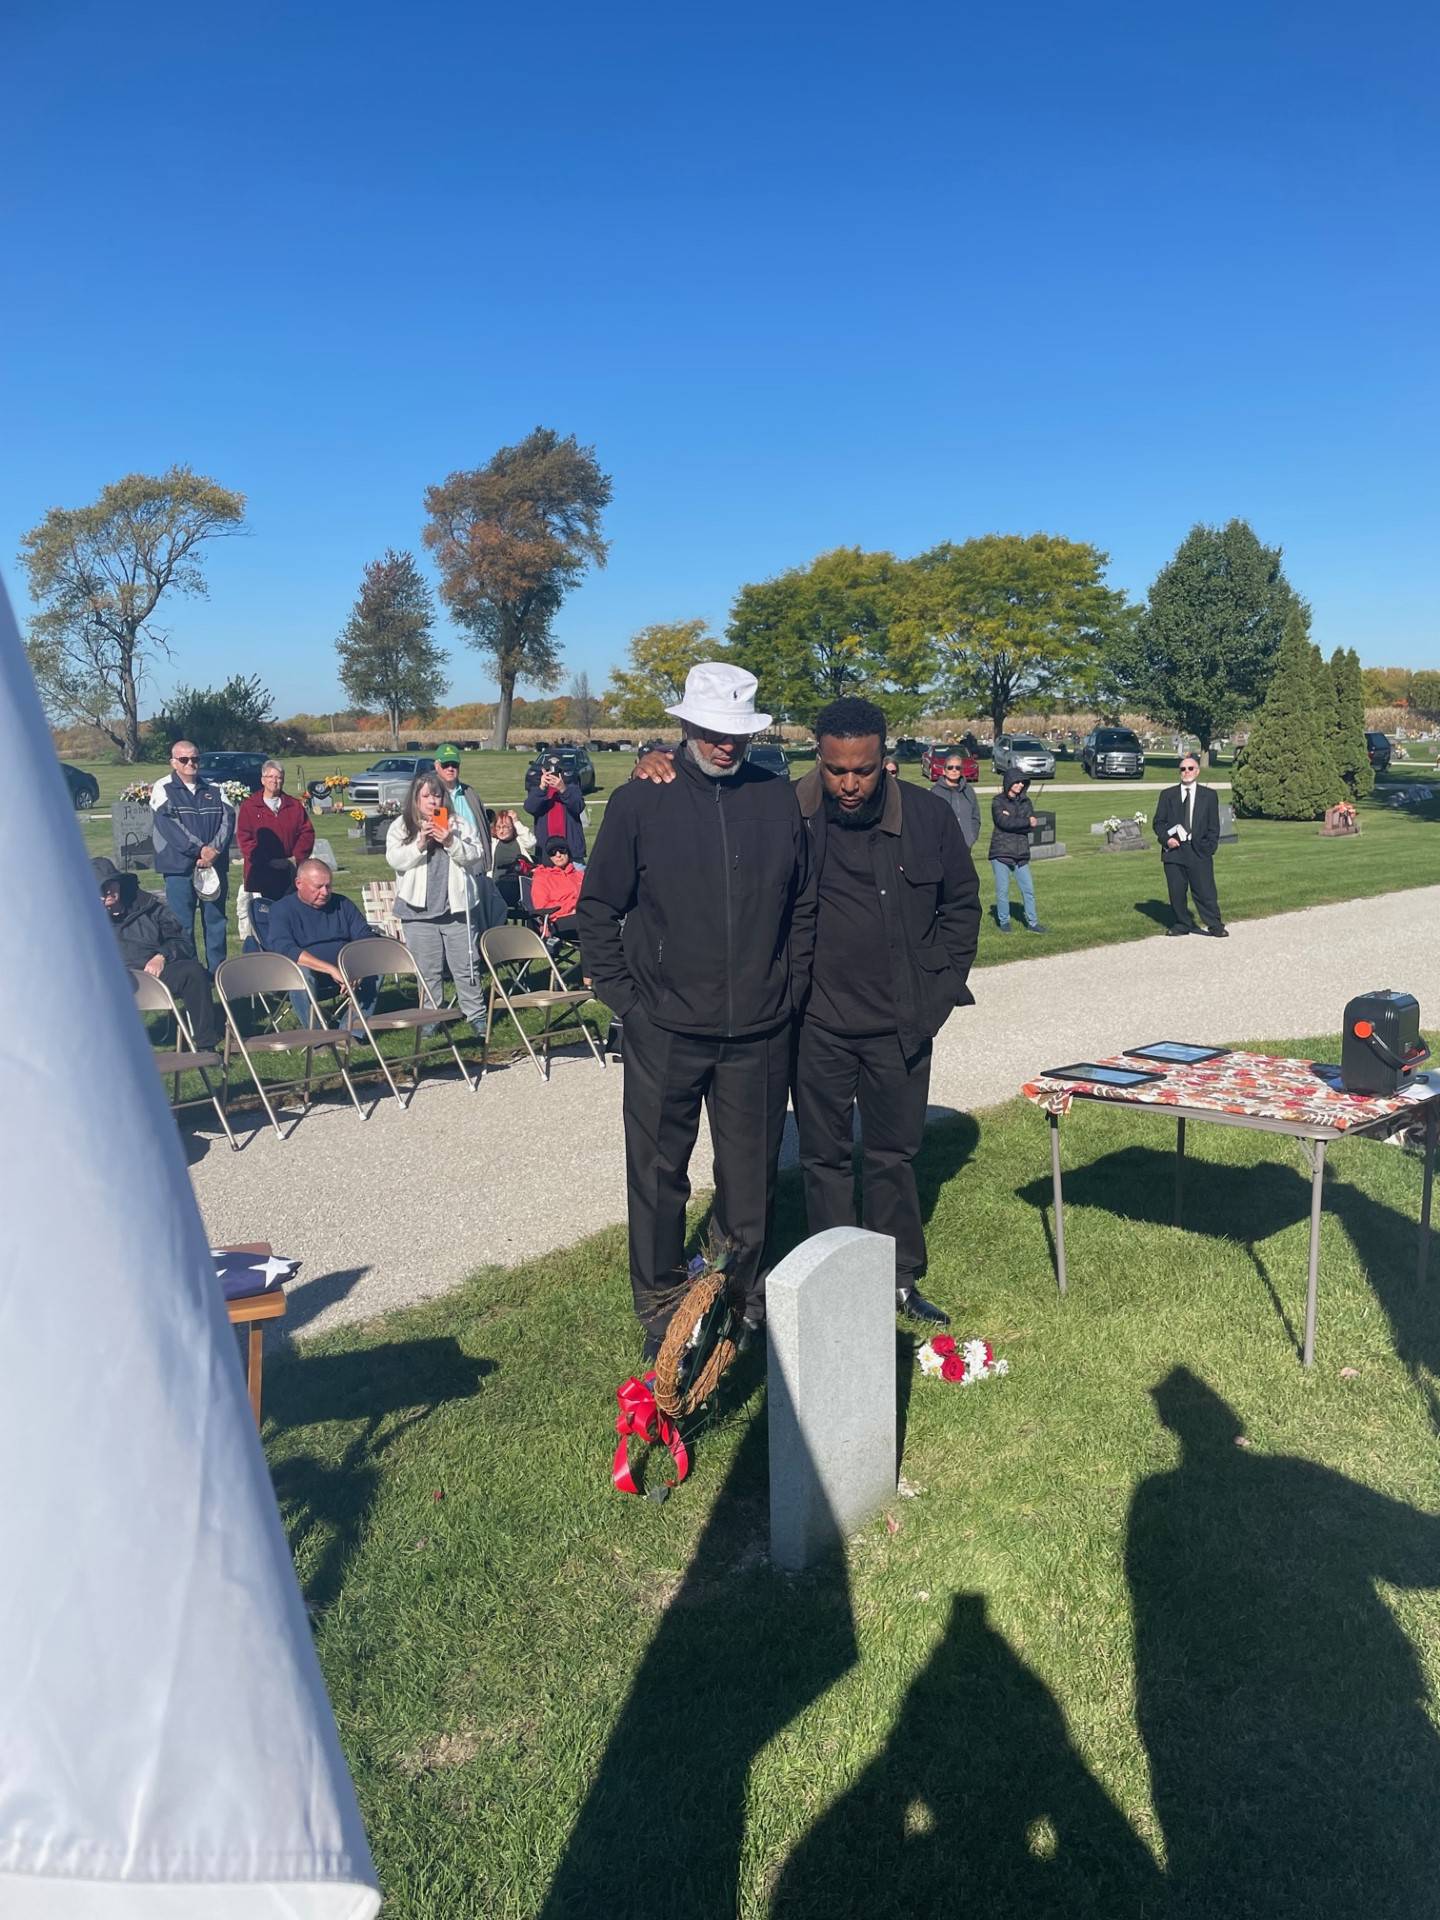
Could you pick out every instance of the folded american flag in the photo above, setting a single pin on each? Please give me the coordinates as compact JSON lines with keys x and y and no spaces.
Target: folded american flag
{"x":243,"y":1273}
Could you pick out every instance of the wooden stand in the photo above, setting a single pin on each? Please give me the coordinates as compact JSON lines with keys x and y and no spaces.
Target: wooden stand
{"x":253,"y":1310}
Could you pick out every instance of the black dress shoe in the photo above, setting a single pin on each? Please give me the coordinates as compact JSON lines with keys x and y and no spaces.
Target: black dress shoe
{"x":1218,"y":933}
{"x":1172,"y":931}
{"x":912,"y":1303}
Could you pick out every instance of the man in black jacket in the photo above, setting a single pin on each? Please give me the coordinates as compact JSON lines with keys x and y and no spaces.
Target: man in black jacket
{"x":697,"y":922}
{"x":151,"y":936}
{"x":898,"y":921}
{"x":1187,"y":825}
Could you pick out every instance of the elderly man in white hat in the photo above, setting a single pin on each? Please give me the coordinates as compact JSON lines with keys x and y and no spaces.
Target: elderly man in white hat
{"x":697,"y":925}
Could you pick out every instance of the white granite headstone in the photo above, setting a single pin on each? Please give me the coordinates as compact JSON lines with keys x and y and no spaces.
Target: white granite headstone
{"x":830,"y":1306}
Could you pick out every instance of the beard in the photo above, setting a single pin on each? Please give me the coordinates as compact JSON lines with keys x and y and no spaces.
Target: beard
{"x":856,"y":819}
{"x":710,"y":771}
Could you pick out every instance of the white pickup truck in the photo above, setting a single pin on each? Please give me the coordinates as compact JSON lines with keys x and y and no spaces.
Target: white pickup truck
{"x":386,"y":783}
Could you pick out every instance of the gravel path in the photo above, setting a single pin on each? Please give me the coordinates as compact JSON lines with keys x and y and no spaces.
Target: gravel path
{"x":404,"y":1205}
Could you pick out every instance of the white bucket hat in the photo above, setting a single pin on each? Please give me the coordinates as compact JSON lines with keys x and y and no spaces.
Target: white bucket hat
{"x":206,"y":882}
{"x":721,"y":699}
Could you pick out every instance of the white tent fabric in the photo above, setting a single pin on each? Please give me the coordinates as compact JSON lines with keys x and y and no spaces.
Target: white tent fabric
{"x":166,"y":1745}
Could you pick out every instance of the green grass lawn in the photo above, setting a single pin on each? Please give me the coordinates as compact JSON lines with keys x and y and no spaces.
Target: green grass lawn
{"x":1090,"y":898}
{"x":1154,"y":1630}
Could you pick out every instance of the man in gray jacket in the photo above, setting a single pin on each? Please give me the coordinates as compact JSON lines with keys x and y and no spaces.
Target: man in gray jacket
{"x":956,"y":791}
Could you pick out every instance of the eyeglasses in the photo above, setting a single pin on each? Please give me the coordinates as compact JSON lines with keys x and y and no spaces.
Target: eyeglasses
{"x":187,"y":759}
{"x":1189,"y":766}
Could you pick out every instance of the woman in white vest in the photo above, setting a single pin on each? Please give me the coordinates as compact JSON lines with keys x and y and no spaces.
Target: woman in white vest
{"x":444,"y":899}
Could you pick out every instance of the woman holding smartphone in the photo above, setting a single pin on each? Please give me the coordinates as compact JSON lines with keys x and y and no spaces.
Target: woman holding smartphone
{"x":444,"y":899}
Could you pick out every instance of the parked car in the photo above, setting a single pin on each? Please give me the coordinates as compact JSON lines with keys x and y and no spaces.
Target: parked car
{"x":1112,"y":753}
{"x":1379,"y":749}
{"x":1017,"y":753}
{"x":412,"y":746}
{"x":470,"y":746}
{"x":84,"y":787}
{"x":907,"y":749}
{"x":770,"y":759}
{"x":244,"y":767}
{"x":575,"y":764}
{"x":388,"y":781}
{"x":932,"y":761}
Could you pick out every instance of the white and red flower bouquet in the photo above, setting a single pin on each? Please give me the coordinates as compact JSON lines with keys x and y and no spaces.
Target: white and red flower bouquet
{"x":961,"y":1362}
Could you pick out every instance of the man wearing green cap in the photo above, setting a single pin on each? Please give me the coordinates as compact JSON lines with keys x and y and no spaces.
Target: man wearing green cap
{"x":462,"y":799}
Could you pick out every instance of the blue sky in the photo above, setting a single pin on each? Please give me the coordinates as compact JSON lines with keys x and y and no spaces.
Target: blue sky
{"x":803,"y":276}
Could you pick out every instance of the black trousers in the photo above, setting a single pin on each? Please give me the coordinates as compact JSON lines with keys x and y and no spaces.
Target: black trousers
{"x":744,"y":1085}
{"x":190,"y":984}
{"x":1197,"y":875}
{"x":833,"y":1075}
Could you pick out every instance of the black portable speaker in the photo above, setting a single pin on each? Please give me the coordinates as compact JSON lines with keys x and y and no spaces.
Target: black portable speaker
{"x":1381,"y":1045}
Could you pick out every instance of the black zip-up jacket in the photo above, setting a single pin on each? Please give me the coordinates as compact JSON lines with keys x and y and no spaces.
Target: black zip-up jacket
{"x":1010,"y":841}
{"x":699,"y":903}
{"x":145,"y":925}
{"x":930,"y":900}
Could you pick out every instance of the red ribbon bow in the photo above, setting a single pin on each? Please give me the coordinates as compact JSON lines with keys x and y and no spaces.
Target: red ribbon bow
{"x":640,"y":1416}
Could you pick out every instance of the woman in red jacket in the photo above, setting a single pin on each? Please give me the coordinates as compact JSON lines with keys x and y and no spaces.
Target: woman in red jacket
{"x":274,"y":834}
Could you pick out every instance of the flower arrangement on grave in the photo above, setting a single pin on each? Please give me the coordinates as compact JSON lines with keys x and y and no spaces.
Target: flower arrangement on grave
{"x":1112,"y":822}
{"x":358,"y":814}
{"x":138,"y":791}
{"x":235,"y":791}
{"x":961,"y":1362}
{"x":389,"y":810}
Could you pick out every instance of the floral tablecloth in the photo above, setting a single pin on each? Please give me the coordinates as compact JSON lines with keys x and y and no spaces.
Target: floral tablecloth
{"x":1259,"y":1084}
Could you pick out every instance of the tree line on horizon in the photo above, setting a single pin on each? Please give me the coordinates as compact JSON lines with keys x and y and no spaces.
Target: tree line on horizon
{"x":983,"y":627}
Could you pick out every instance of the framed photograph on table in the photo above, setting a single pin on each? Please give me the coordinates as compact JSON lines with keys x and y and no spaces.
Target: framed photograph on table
{"x":1175,"y":1053}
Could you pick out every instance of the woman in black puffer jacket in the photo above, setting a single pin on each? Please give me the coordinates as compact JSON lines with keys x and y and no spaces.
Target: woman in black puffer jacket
{"x":1010,"y":851}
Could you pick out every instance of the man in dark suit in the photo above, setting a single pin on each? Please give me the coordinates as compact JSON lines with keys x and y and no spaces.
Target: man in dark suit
{"x":1187,"y":825}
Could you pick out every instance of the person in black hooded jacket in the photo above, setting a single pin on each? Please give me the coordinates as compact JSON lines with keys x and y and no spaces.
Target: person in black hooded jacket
{"x":151,"y":938}
{"x":1010,"y":851}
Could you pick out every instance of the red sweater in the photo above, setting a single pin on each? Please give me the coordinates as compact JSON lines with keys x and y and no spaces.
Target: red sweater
{"x":556,"y":890}
{"x":265,"y":837}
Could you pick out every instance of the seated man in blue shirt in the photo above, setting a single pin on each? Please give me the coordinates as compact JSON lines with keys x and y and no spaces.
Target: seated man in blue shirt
{"x":310,"y":926}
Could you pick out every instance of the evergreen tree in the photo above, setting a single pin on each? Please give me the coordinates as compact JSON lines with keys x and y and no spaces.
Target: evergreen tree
{"x":1285,"y":771}
{"x":1201,"y":655}
{"x":1327,"y":708}
{"x":1352,"y":758}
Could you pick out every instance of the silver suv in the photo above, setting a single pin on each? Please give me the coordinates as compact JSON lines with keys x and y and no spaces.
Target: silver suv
{"x":1017,"y":753}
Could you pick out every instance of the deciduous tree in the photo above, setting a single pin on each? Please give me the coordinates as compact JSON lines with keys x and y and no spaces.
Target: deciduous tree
{"x":237,"y":717}
{"x":387,"y":651}
{"x":1207,"y":642}
{"x":816,"y":633}
{"x":511,"y":538}
{"x":1008,"y":617}
{"x":585,"y":707}
{"x":660,"y":657}
{"x":99,"y":574}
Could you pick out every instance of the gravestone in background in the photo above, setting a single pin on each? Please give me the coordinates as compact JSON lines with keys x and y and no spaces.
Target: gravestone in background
{"x":1043,"y":844}
{"x":1228,"y":835}
{"x":132,"y":829}
{"x":830,"y":1307}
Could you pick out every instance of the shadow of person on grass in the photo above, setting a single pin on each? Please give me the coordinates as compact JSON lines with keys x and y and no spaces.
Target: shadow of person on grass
{"x":331,"y":1499}
{"x":1294,"y":1768}
{"x":1160,"y":911}
{"x":739,"y":1653}
{"x":1387,"y":1244}
{"x":979,"y":1804}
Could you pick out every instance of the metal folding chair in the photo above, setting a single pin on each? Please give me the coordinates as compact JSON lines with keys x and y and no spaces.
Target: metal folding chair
{"x":512,"y":951}
{"x":153,"y":996}
{"x":249,"y":976}
{"x":367,"y":959}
